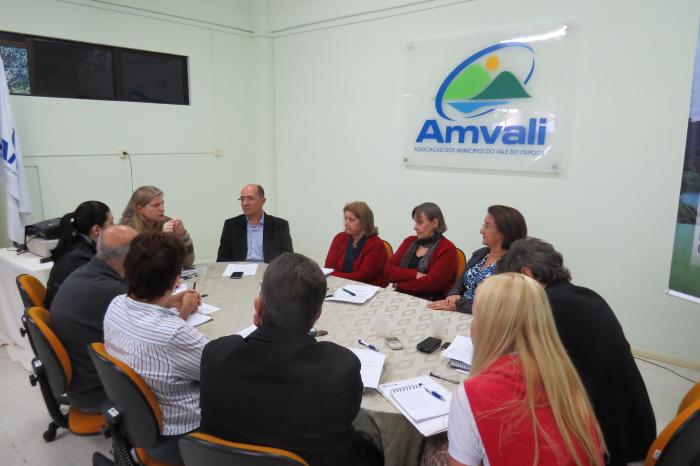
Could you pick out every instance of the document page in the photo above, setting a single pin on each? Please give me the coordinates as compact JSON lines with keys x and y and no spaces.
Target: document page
{"x":372,"y":366}
{"x":248,"y":269}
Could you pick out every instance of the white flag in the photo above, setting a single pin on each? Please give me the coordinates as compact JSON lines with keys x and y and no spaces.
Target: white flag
{"x":18,"y":204}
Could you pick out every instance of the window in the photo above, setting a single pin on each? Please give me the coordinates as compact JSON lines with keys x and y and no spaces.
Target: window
{"x":58,"y":68}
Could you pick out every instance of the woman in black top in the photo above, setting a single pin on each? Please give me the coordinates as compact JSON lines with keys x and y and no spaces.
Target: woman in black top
{"x":76,"y":246}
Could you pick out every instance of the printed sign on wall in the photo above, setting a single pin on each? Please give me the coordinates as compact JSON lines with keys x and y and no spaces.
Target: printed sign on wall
{"x":496,"y":101}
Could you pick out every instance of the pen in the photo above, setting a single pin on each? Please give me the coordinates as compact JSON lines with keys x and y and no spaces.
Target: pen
{"x":435,"y":394}
{"x":204,"y":296}
{"x":443,"y":378}
{"x":349,"y":292}
{"x":368,"y":345}
{"x":194,"y":287}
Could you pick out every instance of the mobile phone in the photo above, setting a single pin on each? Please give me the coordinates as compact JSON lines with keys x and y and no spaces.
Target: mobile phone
{"x":236,"y":274}
{"x":429,"y":345}
{"x":393,"y":343}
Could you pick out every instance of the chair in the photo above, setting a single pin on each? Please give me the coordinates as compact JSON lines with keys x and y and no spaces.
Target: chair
{"x":53,"y":371}
{"x":691,"y":397}
{"x":678,"y":443}
{"x":133,"y":413}
{"x":461,"y":263}
{"x":200,"y":449}
{"x":32,"y":292}
{"x":389,"y":249}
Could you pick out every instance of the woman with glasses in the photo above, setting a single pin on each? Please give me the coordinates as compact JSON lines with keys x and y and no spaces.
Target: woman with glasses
{"x":145,"y":212}
{"x":424,"y":265}
{"x":523,"y":402}
{"x":76,"y":245}
{"x":501,"y":227}
{"x":357,"y":253}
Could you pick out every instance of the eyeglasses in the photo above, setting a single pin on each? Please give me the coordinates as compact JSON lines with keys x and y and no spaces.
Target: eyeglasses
{"x":248,"y":198}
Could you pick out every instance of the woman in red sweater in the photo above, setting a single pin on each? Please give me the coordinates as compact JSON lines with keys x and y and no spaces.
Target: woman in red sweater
{"x":424,"y":265}
{"x":523,"y":402}
{"x":358,"y":253}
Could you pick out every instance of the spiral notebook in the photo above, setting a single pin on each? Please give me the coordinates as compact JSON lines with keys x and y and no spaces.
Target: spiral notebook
{"x":426,"y":412}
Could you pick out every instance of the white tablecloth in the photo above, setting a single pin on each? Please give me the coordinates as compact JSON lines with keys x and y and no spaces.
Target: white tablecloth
{"x":11,"y":305}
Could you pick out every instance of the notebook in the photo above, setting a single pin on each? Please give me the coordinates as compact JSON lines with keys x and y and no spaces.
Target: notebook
{"x":427,"y":413}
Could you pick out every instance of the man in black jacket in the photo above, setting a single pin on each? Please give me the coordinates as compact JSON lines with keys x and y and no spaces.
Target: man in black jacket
{"x":597,"y":346}
{"x":253,"y":236}
{"x":281,"y":388}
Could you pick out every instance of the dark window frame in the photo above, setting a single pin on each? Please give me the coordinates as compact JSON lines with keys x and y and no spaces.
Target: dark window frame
{"x":27,"y":41}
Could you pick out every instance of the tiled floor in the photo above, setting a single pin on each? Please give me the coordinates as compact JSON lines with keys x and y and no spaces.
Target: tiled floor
{"x":24,"y":417}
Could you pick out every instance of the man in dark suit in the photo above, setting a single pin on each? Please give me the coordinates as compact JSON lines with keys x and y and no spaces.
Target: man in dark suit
{"x":254,"y":236}
{"x":281,"y":388}
{"x":597,"y":346}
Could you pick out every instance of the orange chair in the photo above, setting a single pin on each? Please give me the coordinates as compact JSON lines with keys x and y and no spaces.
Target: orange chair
{"x":133,"y":413}
{"x":389,"y":249}
{"x":32,"y":292}
{"x":53,"y":371}
{"x":200,"y":449}
{"x":679,"y":442}
{"x":461,"y":263}
{"x":691,"y":397}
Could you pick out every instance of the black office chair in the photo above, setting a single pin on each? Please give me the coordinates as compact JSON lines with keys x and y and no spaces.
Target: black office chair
{"x":53,"y":372}
{"x":679,"y":443}
{"x":133,"y":413}
{"x":200,"y":449}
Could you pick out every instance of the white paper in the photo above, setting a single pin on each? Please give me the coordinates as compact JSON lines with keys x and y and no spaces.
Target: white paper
{"x":428,"y":427}
{"x":248,"y":269}
{"x":326,"y":271}
{"x":460,"y":349}
{"x":358,"y":293}
{"x":196,"y":319}
{"x":372,"y":366}
{"x":247,"y":331}
{"x":207,"y":309}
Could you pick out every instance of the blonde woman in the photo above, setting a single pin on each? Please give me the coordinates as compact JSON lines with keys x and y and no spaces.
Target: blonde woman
{"x":524,"y":402}
{"x":145,"y":212}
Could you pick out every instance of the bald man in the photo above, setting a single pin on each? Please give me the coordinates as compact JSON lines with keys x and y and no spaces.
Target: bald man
{"x":254,"y":236}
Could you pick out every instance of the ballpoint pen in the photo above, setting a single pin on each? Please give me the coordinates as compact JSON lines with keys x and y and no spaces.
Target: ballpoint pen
{"x":368,"y":345}
{"x":435,"y":394}
{"x":194,"y":287}
{"x":349,"y":292}
{"x":443,"y":378}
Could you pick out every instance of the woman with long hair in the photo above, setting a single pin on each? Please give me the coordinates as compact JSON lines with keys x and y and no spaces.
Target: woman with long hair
{"x":523,"y":402}
{"x":145,"y":212}
{"x":76,"y":245}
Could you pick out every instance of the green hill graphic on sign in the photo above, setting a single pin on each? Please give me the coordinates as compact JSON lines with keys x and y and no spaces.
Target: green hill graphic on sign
{"x":505,"y":86}
{"x":470,"y":82}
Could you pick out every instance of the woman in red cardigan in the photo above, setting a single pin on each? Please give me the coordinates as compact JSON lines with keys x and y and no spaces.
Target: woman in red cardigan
{"x":358,"y":253}
{"x":424,"y":265}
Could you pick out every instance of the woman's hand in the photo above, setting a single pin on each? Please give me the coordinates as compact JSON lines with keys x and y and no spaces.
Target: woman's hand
{"x":178,"y":299}
{"x":419,"y":275}
{"x":444,"y":304}
{"x":174,"y":226}
{"x":190,"y":303}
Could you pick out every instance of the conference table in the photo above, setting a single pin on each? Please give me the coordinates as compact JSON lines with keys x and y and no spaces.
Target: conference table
{"x":408,"y":319}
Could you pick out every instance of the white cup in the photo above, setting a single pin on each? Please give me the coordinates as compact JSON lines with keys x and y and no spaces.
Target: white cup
{"x":437,"y":326}
{"x":381,"y":325}
{"x":202,"y":272}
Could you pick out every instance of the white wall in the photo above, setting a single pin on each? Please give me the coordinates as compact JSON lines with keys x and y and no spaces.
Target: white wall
{"x":612,"y":210}
{"x":70,"y":146}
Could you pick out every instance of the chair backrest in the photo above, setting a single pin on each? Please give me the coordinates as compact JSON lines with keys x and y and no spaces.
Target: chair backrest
{"x":31,"y":290}
{"x":50,"y":351}
{"x":200,"y":449}
{"x":389,"y":249}
{"x":461,"y":263}
{"x":678,"y":443}
{"x":131,"y":396}
{"x":691,"y":397}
